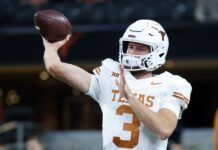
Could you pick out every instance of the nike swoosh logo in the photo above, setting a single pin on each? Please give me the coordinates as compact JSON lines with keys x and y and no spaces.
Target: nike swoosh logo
{"x":155,"y":83}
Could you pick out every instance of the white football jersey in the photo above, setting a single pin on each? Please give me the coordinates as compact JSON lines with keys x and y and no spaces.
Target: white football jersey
{"x":121,"y":128}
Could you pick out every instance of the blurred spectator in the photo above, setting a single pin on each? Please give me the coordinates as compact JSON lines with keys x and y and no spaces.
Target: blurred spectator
{"x":34,"y":143}
{"x":176,"y":146}
{"x":206,"y":10}
{"x":2,"y":146}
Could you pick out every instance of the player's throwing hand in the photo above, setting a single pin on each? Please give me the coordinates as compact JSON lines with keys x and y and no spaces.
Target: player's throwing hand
{"x":55,"y":45}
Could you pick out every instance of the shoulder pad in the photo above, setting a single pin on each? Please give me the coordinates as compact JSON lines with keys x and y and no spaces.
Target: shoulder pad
{"x":110,"y":65}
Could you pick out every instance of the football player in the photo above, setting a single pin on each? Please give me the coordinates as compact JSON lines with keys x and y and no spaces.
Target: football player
{"x":140,"y":109}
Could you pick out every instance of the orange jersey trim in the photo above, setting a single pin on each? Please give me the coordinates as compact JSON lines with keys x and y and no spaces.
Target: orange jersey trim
{"x":181,"y":96}
{"x":97,"y":70}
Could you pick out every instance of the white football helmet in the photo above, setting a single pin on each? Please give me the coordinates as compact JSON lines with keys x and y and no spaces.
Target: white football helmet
{"x":146,"y":32}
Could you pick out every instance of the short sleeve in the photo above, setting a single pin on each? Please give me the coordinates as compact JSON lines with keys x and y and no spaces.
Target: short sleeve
{"x":178,"y":98}
{"x":94,"y":88}
{"x":172,"y":105}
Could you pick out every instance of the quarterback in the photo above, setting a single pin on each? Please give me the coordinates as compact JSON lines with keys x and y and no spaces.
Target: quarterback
{"x":140,"y":109}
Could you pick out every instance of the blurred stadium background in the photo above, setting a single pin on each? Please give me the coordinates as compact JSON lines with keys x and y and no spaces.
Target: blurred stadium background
{"x":33,"y":103}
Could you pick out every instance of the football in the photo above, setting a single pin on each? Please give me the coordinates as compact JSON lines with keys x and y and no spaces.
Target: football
{"x":52,"y":25}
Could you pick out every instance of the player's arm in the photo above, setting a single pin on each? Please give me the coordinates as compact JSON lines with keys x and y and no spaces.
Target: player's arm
{"x":71,"y":74}
{"x":162,"y":123}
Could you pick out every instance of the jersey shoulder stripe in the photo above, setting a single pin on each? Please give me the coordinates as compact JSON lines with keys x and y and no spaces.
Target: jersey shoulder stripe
{"x":181,"y":97}
{"x":97,"y":70}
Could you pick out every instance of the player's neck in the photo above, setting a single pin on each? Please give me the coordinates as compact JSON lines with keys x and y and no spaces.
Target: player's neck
{"x":141,"y":74}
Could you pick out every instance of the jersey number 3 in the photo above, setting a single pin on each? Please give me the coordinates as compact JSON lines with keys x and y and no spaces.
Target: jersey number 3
{"x":132,"y":127}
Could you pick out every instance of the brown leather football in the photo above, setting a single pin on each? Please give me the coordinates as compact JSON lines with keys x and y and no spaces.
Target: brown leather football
{"x":52,"y":25}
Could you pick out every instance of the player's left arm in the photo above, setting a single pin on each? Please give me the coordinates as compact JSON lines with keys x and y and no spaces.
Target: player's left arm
{"x":161,"y":123}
